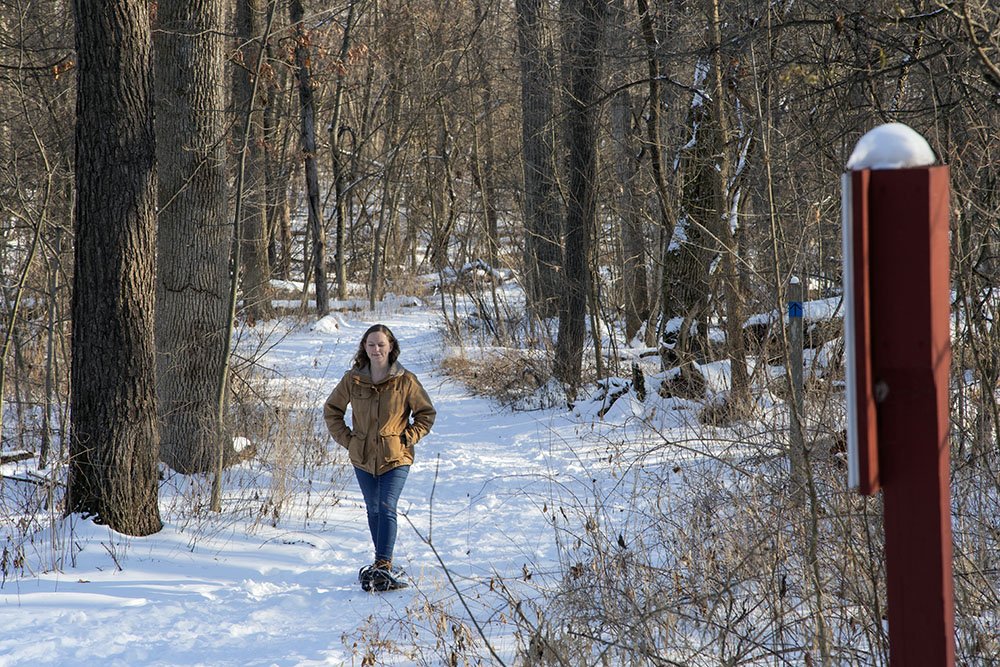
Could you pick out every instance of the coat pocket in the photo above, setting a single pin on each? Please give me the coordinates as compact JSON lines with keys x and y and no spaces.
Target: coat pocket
{"x":361,"y":392}
{"x":356,"y":449}
{"x":395,"y":450}
{"x":361,"y":405}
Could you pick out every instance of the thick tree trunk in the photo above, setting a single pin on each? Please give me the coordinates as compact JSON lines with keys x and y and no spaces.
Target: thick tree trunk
{"x":584,"y":23}
{"x":193,"y":241}
{"x":256,"y":278}
{"x":114,"y":441}
{"x":316,"y":227}
{"x":542,"y":235}
{"x":692,"y":249}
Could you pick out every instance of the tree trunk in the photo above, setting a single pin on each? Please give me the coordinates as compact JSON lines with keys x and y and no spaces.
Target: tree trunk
{"x":114,"y":441}
{"x":483,"y":150}
{"x":484,"y":156}
{"x":542,"y":251}
{"x":193,"y":240}
{"x":653,"y":143}
{"x":277,"y":173}
{"x":54,"y":329}
{"x":316,"y":228}
{"x":339,"y":163}
{"x":625,"y":139}
{"x":584,"y":24}
{"x":394,"y":146}
{"x":740,"y":400}
{"x":256,"y":278}
{"x":692,"y":246}
{"x":442,"y":216}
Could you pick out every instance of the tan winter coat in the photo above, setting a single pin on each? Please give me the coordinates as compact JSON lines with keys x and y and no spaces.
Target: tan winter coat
{"x":381,"y":435}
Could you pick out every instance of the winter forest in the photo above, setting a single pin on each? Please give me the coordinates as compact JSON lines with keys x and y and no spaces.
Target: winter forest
{"x":583,"y":219}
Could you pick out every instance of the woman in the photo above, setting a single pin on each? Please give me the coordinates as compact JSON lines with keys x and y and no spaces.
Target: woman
{"x":383,"y":397}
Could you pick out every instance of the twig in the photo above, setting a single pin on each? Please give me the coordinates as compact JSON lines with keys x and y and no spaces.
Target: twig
{"x":113,"y":556}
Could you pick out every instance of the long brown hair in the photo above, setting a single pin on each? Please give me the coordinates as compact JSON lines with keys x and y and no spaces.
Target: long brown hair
{"x":361,"y":358}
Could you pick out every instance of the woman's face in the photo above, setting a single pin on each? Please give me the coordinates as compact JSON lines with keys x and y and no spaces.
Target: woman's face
{"x":378,"y":346}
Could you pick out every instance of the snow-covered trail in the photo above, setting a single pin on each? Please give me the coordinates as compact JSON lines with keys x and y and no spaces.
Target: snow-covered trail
{"x":218,"y":594}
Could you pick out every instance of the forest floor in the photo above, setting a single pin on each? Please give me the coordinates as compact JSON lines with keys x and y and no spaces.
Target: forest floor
{"x":272,"y":579}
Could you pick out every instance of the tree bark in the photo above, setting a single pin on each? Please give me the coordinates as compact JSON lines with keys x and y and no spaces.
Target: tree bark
{"x":483,"y":146}
{"x":114,"y":441}
{"x":256,"y":278}
{"x":653,"y":143}
{"x":440,"y":195}
{"x":625,"y":139}
{"x":277,"y":174}
{"x":542,"y":235}
{"x":194,"y":227}
{"x":339,"y":163}
{"x":484,"y":153}
{"x":584,"y":25}
{"x":740,"y":400}
{"x":316,"y":227}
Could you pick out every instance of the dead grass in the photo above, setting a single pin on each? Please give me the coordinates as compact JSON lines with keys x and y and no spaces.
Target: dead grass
{"x":505,"y":375}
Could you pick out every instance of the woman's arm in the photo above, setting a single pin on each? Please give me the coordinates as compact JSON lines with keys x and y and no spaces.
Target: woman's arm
{"x":421,"y":411}
{"x":334,"y":410}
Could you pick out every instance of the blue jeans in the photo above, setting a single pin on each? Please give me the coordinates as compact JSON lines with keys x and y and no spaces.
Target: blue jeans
{"x":381,"y":494}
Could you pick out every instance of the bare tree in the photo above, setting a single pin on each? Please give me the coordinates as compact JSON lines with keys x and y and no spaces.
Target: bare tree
{"x":542,"y":235}
{"x":278,"y":168}
{"x":584,"y":29}
{"x":339,"y":162}
{"x":308,"y":129}
{"x":723,"y":202}
{"x":113,"y":452}
{"x":626,"y":161}
{"x":36,"y":201}
{"x":256,"y":277}
{"x":980,"y":20}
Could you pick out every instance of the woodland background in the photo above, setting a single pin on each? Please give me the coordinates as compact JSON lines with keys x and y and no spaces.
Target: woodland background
{"x":650,"y":174}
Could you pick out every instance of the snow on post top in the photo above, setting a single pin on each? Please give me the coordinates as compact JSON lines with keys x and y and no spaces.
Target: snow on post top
{"x":891,"y":146}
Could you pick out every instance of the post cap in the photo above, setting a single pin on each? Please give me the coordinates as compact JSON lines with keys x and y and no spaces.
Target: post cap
{"x":891,"y":146}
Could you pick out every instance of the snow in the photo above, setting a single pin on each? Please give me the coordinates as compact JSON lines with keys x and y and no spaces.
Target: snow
{"x":891,"y":146}
{"x":330,"y":324}
{"x":819,"y":309}
{"x":496,"y":507}
{"x":238,"y":588}
{"x":240,"y":443}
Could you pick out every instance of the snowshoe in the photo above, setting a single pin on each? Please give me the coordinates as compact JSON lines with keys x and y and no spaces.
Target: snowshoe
{"x":383,"y":580}
{"x":381,"y":577}
{"x":365,"y":577}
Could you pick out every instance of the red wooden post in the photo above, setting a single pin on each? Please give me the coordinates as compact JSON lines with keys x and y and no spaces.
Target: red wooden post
{"x":908,"y":304}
